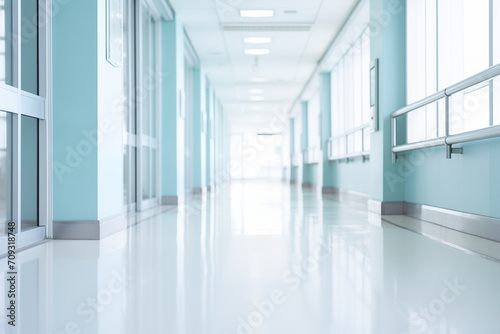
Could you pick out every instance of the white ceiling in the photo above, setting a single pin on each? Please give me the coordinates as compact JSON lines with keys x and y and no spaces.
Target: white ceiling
{"x":299,"y":40}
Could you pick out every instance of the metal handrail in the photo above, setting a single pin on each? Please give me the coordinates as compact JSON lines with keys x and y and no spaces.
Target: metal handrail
{"x":485,"y":75}
{"x":419,"y":145}
{"x":351,"y":155}
{"x":486,"y":133}
{"x":448,"y":140}
{"x":352,"y":131}
{"x":419,"y":104}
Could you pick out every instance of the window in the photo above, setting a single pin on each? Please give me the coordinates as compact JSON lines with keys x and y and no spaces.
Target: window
{"x":350,"y":96}
{"x":313,"y":128}
{"x":448,"y":41}
{"x":297,"y":140}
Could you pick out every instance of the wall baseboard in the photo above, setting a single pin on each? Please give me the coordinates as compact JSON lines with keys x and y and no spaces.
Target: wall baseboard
{"x":481,"y":226}
{"x":89,"y":229}
{"x":198,"y":191}
{"x":347,"y":196}
{"x":473,"y":224}
{"x":386,"y":208}
{"x":76,"y":230}
{"x":100,"y":229}
{"x":329,"y":190}
{"x":170,"y":200}
{"x":477,"y":225}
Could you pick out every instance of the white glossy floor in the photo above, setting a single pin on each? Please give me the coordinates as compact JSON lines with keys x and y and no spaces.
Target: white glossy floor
{"x":260,"y":257}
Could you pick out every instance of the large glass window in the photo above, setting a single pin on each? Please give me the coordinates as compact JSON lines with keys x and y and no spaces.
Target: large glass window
{"x":350,"y":95}
{"x":313,"y":124}
{"x":448,"y":41}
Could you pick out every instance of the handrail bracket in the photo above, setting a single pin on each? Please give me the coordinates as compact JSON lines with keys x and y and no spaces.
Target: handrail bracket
{"x":453,"y":150}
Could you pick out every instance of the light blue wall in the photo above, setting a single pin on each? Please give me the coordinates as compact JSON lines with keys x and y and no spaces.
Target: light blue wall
{"x":388,"y":44}
{"x":87,"y":116}
{"x":172,"y":123}
{"x":75,"y":103}
{"x":353,"y":175}
{"x":468,"y":183}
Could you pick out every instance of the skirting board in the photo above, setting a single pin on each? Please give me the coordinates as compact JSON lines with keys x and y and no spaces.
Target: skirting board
{"x":198,"y":191}
{"x":477,"y":225}
{"x":346,"y":196}
{"x":481,"y":226}
{"x":170,"y":200}
{"x":89,"y":229}
{"x":386,"y":208}
{"x":329,"y":190}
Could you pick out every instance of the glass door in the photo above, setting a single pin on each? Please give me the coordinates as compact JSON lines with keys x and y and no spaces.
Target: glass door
{"x":149,"y":105}
{"x":24,"y":125}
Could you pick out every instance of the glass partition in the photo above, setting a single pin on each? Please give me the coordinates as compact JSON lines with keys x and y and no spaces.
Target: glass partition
{"x":29,"y":172}
{"x":29,"y":46}
{"x":6,"y":50}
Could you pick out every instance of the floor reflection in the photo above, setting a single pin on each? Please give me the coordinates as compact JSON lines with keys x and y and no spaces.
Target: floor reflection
{"x":259,"y":257}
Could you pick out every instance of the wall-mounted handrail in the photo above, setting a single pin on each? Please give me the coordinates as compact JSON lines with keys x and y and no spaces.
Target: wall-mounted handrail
{"x":448,"y":140}
{"x":351,"y":155}
{"x":485,"y":75}
{"x":419,"y":145}
{"x":419,"y":104}
{"x":346,"y":134}
{"x":486,"y":133}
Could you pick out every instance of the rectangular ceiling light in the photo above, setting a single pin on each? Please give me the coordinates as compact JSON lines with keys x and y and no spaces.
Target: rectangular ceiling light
{"x":259,"y":79}
{"x":256,"y":13}
{"x":257,"y":40}
{"x":257,"y":52}
{"x":256,"y":91}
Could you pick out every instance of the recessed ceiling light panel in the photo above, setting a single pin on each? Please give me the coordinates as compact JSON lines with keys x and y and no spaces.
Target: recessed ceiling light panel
{"x":257,"y":52}
{"x":256,"y":91}
{"x":256,"y":13}
{"x":259,"y":79}
{"x":257,"y":40}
